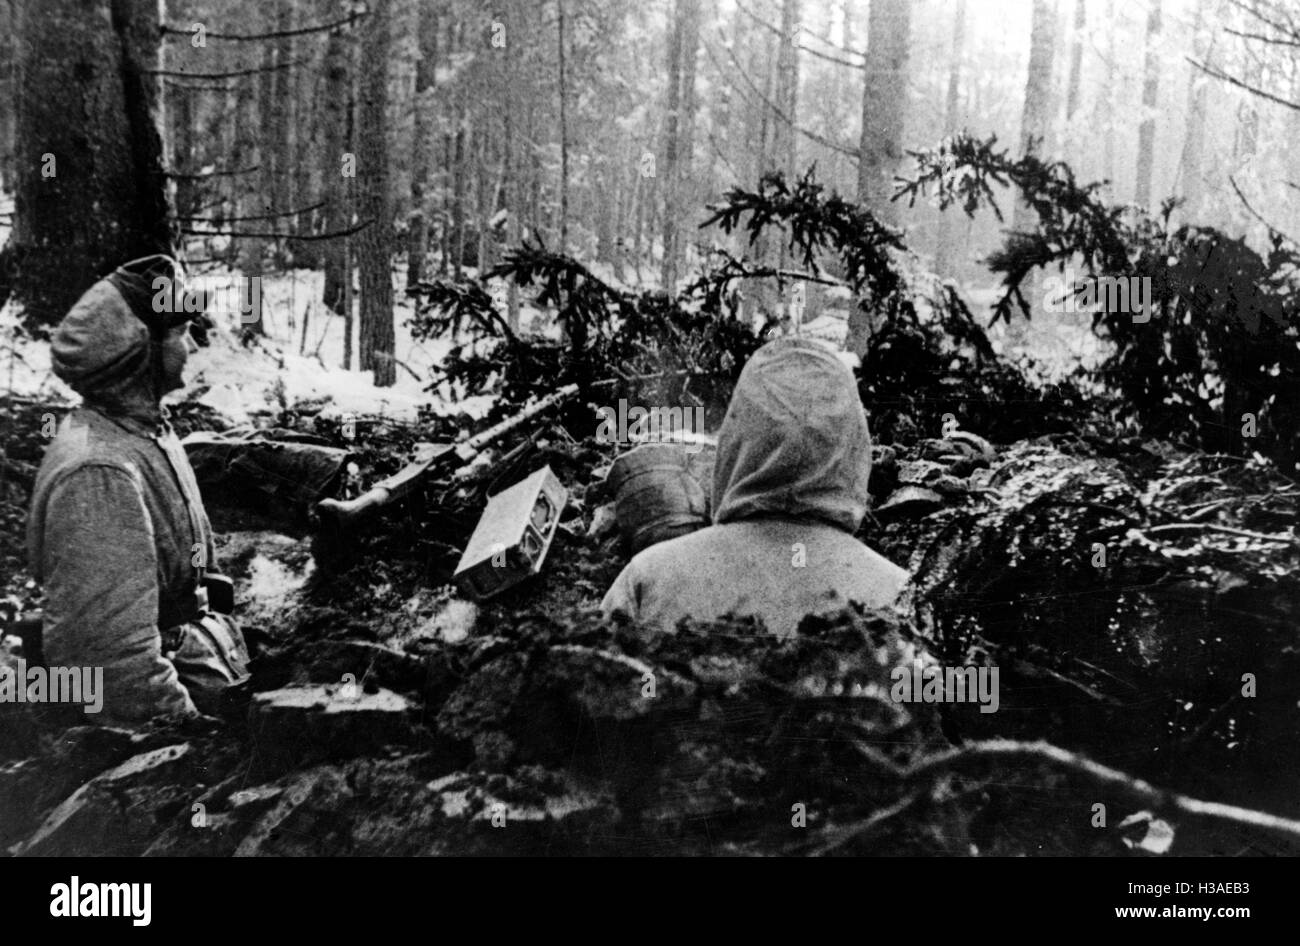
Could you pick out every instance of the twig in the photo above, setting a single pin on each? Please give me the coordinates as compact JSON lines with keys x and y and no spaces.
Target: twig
{"x":1260,"y":37}
{"x":280,"y":236}
{"x":281,"y":213}
{"x":1209,"y":723}
{"x":808,"y":49}
{"x":277,"y":34}
{"x":1252,"y":9}
{"x":1226,"y":530}
{"x":1159,"y":800}
{"x":1254,"y":213}
{"x":306,"y":318}
{"x":854,"y":831}
{"x":826,"y":142}
{"x":1204,"y":509}
{"x":1242,"y":85}
{"x":234,"y":74}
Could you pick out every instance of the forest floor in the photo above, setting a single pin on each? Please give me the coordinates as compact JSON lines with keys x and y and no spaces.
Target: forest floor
{"x":390,"y":716}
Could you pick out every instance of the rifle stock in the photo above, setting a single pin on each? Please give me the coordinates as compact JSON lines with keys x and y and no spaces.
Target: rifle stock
{"x":343,"y":514}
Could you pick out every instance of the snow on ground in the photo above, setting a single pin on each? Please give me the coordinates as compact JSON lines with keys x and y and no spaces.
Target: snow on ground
{"x":299,"y":361}
{"x":297,"y":364}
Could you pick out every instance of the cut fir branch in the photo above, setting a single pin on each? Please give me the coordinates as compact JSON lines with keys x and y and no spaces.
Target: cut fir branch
{"x":641,"y":343}
{"x":444,"y":305}
{"x":1072,"y":218}
{"x":1212,"y":307}
{"x":816,"y":222}
{"x":714,"y":283}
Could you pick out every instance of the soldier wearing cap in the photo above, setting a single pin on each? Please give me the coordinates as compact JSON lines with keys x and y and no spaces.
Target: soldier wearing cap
{"x":117,"y":532}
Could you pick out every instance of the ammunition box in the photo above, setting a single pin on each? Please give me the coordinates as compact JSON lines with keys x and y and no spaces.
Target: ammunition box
{"x":513,"y":536}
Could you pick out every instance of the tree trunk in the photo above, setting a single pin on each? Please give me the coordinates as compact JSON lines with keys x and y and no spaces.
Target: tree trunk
{"x":418,"y":227}
{"x":951,"y":121}
{"x":458,"y":197}
{"x":8,"y":94}
{"x":260,"y":188}
{"x":564,"y":139}
{"x":91,"y":190}
{"x":786,"y":143}
{"x":880,"y":149}
{"x":1150,"y":97}
{"x":1106,"y":105}
{"x":884,"y":97}
{"x":678,"y":139}
{"x":513,"y":192}
{"x":336,"y":188}
{"x":1076,"y":60}
{"x":1038,"y":97}
{"x":1194,"y":142}
{"x":374,"y":242}
{"x":182,"y":123}
{"x":482,"y":205}
{"x":784,"y":137}
{"x":284,"y":102}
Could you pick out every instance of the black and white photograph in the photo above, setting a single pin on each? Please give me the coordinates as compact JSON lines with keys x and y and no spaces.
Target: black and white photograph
{"x":689,"y":429}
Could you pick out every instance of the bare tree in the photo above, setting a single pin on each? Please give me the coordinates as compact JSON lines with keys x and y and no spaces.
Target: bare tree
{"x":335,"y":180}
{"x":880,"y":149}
{"x":679,"y":118}
{"x":1038,"y":93}
{"x":374,"y":243}
{"x":884,"y":98}
{"x":1150,"y":96}
{"x":564,"y":135}
{"x":1194,"y":139}
{"x":951,"y":121}
{"x":1076,"y":59}
{"x":417,"y":223}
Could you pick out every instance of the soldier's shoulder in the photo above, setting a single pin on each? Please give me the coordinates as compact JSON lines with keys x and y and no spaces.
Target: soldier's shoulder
{"x":84,"y":444}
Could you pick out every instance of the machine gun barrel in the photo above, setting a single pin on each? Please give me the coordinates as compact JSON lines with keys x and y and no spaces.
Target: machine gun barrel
{"x":344,"y":514}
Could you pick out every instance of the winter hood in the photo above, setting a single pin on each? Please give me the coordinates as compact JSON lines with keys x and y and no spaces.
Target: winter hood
{"x":794,"y":441}
{"x":108,"y":346}
{"x":103,"y":351}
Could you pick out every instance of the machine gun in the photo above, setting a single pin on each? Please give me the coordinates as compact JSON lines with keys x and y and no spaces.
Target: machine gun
{"x":338,"y":516}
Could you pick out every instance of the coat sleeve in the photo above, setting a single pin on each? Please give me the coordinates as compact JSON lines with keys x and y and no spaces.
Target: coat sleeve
{"x":101,"y":584}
